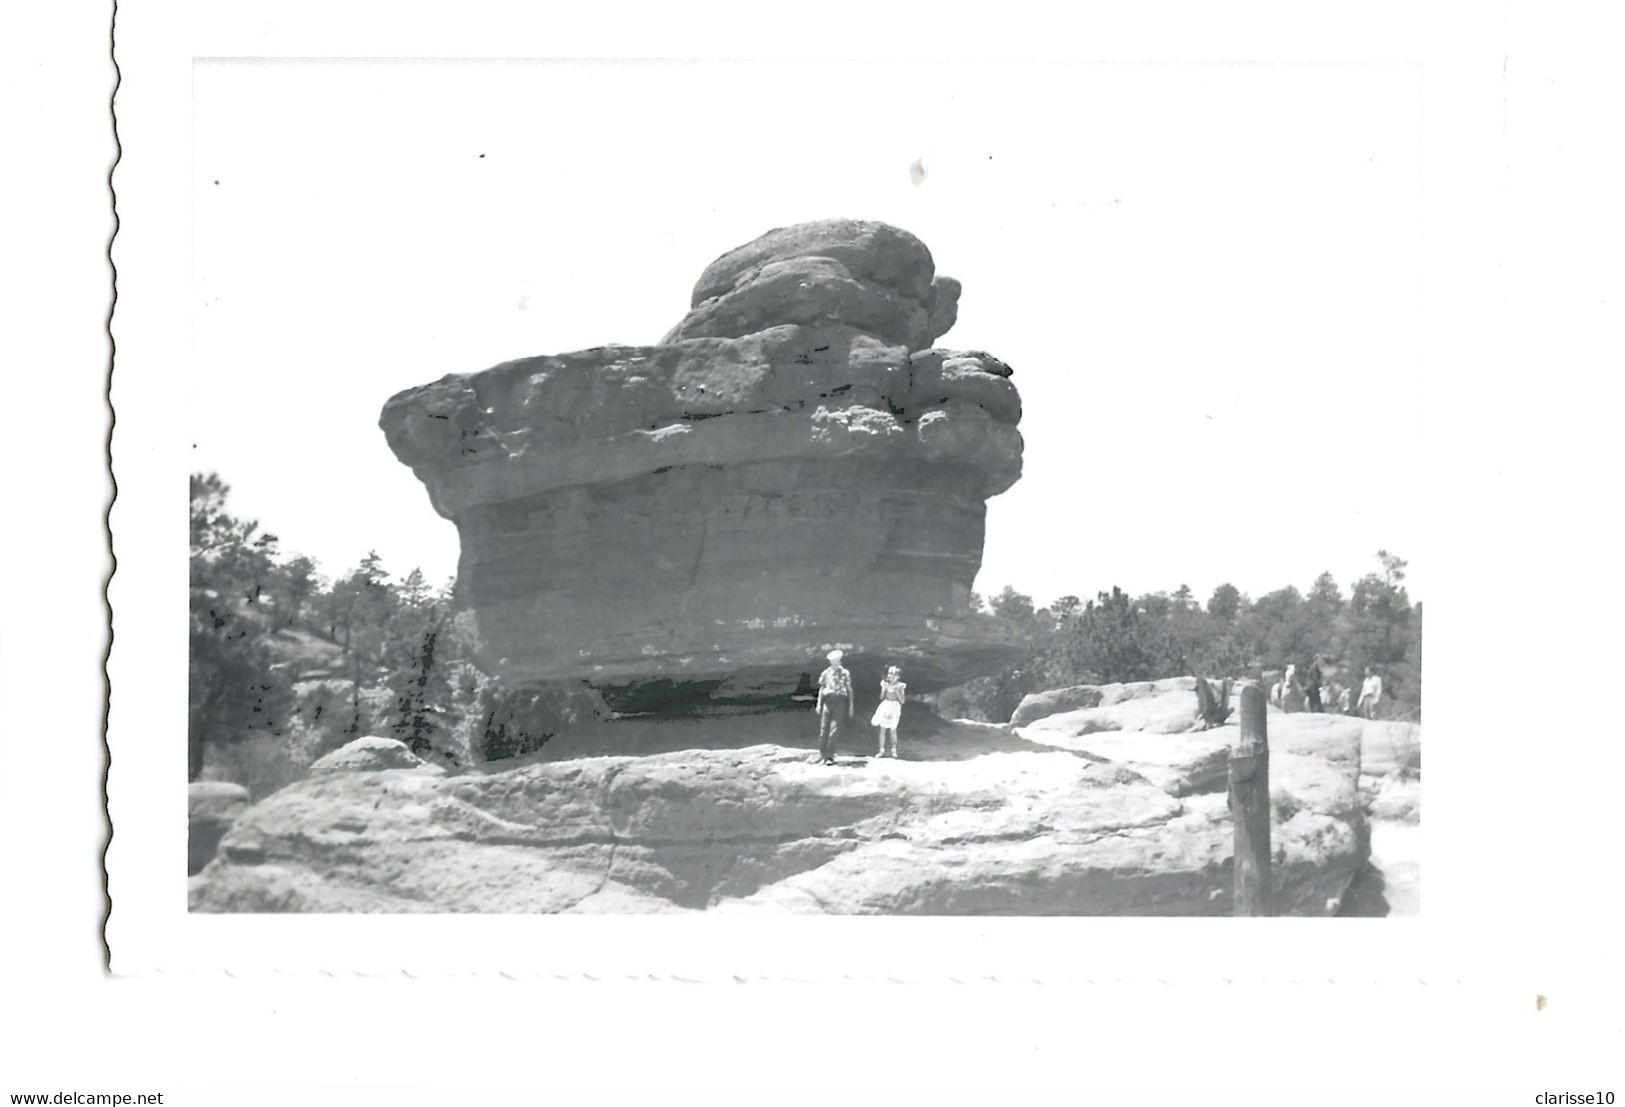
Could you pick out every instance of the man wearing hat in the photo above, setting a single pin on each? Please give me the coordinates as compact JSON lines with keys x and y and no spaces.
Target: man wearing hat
{"x":1312,"y":686}
{"x":834,"y":706}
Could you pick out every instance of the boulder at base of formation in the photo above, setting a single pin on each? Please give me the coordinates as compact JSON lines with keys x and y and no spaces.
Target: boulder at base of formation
{"x":368,"y":754}
{"x":731,"y":813}
{"x":1159,"y":706}
{"x":1038,"y":705}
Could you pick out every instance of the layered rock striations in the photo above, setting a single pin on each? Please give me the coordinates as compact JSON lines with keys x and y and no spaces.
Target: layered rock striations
{"x":793,"y":468}
{"x":1107,"y":810}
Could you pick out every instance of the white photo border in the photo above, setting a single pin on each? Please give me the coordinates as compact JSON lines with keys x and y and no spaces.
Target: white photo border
{"x":150,"y":930}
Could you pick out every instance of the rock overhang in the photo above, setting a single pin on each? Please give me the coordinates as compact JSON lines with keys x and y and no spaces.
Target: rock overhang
{"x":794,"y":468}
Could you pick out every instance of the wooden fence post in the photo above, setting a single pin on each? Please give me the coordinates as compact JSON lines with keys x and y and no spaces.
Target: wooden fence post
{"x":1250,"y":807}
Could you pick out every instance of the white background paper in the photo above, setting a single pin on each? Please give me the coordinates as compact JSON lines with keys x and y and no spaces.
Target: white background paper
{"x":1521,"y":288}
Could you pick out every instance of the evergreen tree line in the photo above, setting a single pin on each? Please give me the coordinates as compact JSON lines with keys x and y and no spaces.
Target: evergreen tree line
{"x":286,"y":665}
{"x":1117,"y":637}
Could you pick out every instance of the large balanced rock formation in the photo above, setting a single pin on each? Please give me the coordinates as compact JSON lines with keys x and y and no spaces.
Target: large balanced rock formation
{"x":1074,"y":814}
{"x":794,"y":468}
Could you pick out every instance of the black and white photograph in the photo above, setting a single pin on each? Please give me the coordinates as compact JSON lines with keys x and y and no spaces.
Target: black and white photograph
{"x":633,"y":522}
{"x":749,"y":553}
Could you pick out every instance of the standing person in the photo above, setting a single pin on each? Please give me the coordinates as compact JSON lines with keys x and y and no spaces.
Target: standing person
{"x":1370,"y":693}
{"x":1290,"y":700}
{"x":834,"y":706}
{"x":1312,"y":690}
{"x":892,"y":694}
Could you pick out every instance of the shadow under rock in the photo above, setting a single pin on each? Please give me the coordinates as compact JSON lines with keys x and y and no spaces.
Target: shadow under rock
{"x":922,"y":735}
{"x":1364,"y":898}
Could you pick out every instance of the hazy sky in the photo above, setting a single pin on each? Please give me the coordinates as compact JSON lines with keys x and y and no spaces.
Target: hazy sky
{"x":1205,"y":277}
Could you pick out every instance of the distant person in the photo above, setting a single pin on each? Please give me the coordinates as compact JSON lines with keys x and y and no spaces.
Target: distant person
{"x":1312,"y":685}
{"x":1370,"y":693}
{"x":892,"y":694}
{"x":834,"y":706}
{"x":1291,"y":693}
{"x":1343,"y":696}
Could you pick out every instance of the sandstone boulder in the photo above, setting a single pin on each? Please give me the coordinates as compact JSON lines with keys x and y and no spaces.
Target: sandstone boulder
{"x":1156,"y":706}
{"x":211,"y":807}
{"x":793,"y":470}
{"x":1179,"y":764}
{"x":869,"y":250}
{"x":1040,"y":705}
{"x":368,"y":754}
{"x":974,"y":819}
{"x":864,"y":274}
{"x":938,"y":376}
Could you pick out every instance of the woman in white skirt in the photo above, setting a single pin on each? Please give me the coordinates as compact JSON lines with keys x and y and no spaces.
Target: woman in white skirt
{"x":892,"y":693}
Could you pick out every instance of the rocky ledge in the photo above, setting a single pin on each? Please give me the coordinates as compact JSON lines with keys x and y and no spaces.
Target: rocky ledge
{"x":1074,"y":813}
{"x":793,"y":468}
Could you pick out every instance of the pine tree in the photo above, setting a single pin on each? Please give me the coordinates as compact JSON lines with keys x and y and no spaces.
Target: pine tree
{"x":414,"y":590}
{"x":298,"y":584}
{"x":1225,"y":603}
{"x":366,"y":605}
{"x":1383,"y":632}
{"x":423,"y":691}
{"x":234,"y":687}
